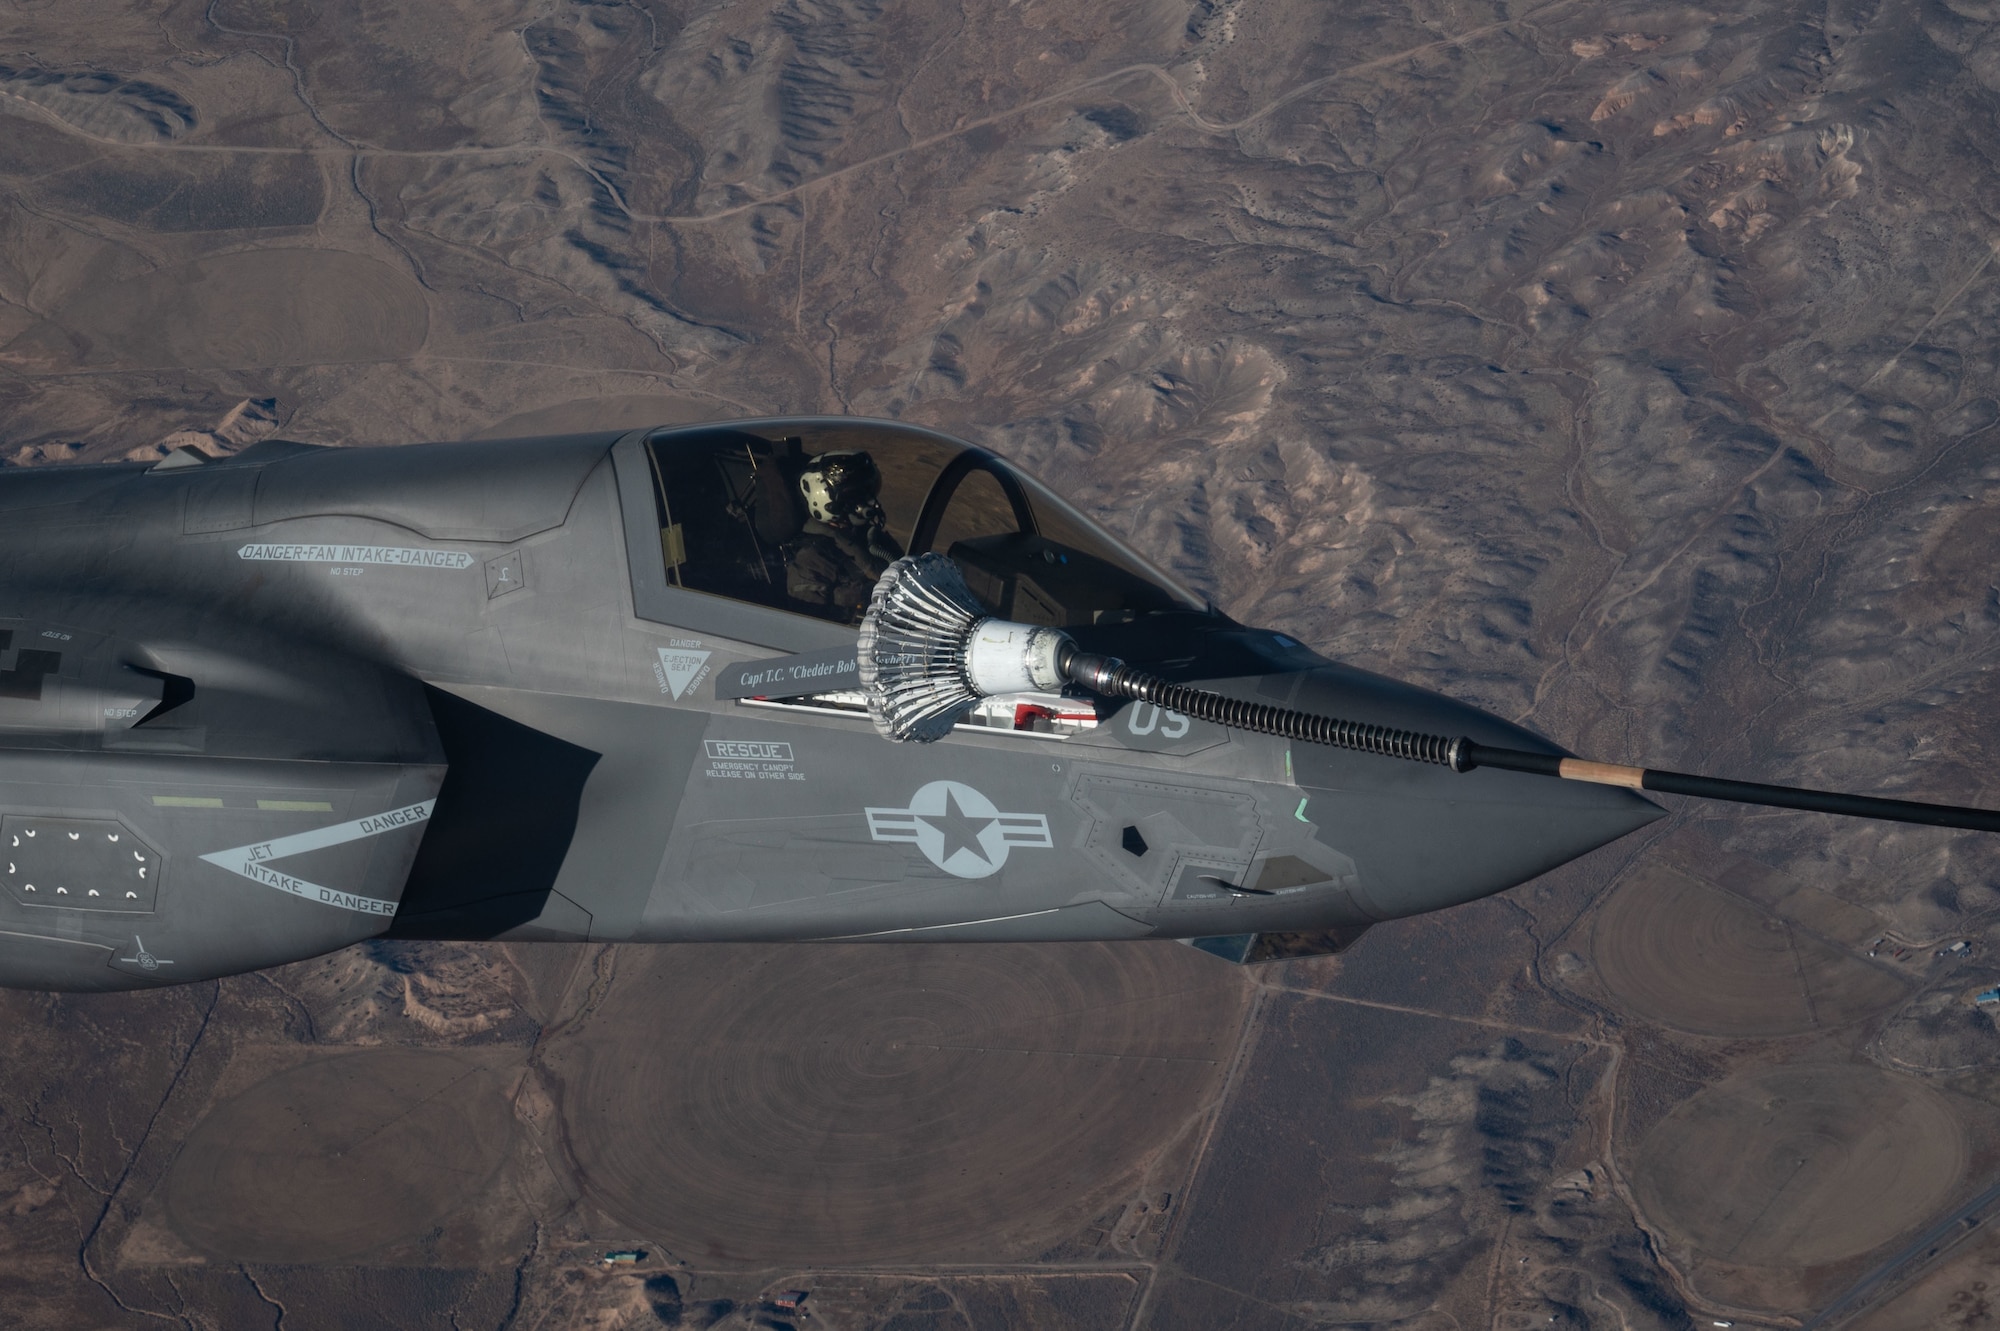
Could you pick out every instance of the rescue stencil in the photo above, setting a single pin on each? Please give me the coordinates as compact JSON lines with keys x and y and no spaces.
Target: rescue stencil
{"x":751,"y":760}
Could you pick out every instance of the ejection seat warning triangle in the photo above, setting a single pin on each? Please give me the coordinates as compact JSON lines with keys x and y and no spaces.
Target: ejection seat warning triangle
{"x":680,"y":670}
{"x":254,"y":861}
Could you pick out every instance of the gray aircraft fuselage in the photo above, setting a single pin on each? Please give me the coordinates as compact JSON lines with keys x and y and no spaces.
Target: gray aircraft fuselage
{"x":260,"y":708}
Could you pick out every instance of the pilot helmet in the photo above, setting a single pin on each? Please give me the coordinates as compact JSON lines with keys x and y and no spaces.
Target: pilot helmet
{"x":840,"y":487}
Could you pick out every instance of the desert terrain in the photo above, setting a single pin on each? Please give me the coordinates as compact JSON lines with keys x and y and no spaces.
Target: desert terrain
{"x":1615,"y":367}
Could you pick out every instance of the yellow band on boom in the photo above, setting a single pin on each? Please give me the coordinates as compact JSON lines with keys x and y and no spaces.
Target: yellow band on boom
{"x":1603,"y":774}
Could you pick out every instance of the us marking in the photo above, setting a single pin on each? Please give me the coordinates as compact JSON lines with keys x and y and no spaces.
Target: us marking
{"x":397,"y":555}
{"x":960,"y":830}
{"x":253,"y":861}
{"x":1142,"y":718}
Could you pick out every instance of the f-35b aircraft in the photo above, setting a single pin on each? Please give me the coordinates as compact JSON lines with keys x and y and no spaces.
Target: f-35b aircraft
{"x":644,"y":687}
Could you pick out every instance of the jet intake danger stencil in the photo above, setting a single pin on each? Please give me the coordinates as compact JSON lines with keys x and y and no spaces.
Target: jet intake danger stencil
{"x":253,"y":861}
{"x":959,"y":830}
{"x":402,"y":556}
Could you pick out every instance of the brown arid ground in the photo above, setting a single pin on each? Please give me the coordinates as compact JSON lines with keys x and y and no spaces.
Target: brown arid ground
{"x":1627,"y":370}
{"x":845,"y":1105}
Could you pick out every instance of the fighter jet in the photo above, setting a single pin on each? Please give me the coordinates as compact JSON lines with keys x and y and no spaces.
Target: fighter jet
{"x":774,"y":680}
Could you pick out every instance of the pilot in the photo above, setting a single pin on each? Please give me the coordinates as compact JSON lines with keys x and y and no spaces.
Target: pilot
{"x":845,"y":543}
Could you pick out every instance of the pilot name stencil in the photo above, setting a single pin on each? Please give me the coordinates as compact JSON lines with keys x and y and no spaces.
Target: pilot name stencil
{"x":751,"y":760}
{"x":397,"y":555}
{"x":830,"y":670}
{"x":253,"y":861}
{"x":960,"y":830}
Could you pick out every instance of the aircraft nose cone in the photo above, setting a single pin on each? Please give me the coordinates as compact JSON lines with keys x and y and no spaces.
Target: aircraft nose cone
{"x":1425,"y":837}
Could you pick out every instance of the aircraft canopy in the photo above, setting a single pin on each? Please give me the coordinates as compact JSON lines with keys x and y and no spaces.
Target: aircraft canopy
{"x":803,"y":515}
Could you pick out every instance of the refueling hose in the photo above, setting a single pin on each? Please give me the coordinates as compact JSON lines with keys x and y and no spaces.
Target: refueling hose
{"x":1112,"y":678}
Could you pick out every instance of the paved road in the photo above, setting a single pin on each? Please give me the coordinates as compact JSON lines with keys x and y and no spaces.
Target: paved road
{"x":1932,"y":1243}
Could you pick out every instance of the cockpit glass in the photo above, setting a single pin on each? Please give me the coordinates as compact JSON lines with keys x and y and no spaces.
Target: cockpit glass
{"x":804,"y":516}
{"x":979,"y":508}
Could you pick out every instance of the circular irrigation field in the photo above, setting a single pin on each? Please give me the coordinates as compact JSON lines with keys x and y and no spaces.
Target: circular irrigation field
{"x":1800,"y":1166}
{"x":1691,"y":956}
{"x":851,"y":1103}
